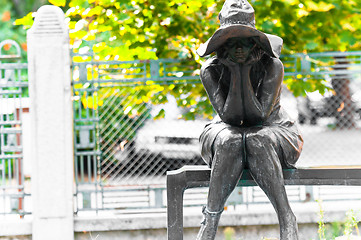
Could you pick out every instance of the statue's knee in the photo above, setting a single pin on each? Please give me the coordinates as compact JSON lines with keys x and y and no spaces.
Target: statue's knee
{"x":228,"y":141}
{"x":259,"y":140}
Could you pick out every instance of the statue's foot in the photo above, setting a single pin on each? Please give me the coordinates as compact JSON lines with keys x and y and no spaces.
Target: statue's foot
{"x":209,"y":225}
{"x":289,"y":230}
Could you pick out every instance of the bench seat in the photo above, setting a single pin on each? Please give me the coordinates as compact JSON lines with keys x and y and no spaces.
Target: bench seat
{"x":198,"y":176}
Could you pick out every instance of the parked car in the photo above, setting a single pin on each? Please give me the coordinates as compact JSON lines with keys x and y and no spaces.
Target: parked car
{"x":315,"y":105}
{"x":171,"y":139}
{"x":356,"y":99}
{"x":177,"y":139}
{"x":161,"y":144}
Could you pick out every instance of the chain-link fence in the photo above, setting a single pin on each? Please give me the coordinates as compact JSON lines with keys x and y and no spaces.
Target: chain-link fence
{"x":330,"y":122}
{"x":129,"y":128}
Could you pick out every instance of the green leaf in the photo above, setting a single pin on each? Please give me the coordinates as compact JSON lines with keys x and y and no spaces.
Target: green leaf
{"x":74,"y":3}
{"x":349,"y":38}
{"x":59,"y":3}
{"x":311,"y":45}
{"x":161,"y":114}
{"x":95,"y":11}
{"x":27,"y":21}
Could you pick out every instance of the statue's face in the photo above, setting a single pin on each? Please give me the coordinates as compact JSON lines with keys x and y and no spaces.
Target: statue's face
{"x":239,"y":49}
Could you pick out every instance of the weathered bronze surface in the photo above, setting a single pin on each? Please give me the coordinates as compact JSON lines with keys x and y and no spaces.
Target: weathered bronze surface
{"x":251,"y":130}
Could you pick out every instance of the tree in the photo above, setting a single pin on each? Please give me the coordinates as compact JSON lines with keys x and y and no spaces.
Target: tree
{"x":151,"y":29}
{"x":10,"y":10}
{"x":331,"y":25}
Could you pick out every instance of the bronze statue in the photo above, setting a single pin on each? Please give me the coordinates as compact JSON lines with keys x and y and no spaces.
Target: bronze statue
{"x":251,"y":130}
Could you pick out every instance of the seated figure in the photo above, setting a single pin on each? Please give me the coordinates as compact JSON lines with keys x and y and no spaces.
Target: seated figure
{"x":251,"y":130}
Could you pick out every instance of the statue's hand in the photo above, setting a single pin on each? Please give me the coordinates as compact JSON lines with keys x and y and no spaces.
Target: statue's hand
{"x":229,"y":63}
{"x":250,"y":61}
{"x":253,"y":58}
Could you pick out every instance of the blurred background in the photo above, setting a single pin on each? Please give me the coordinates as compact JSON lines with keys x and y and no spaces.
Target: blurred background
{"x":139,"y":106}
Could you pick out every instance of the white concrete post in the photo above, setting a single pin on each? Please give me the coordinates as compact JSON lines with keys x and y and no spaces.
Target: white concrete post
{"x":52,"y":129}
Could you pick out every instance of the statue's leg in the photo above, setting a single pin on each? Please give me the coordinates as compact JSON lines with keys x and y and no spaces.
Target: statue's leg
{"x":227,"y":167}
{"x":266,"y":169}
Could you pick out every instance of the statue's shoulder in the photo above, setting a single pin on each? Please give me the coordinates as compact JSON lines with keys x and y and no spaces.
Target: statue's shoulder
{"x":274,"y":70}
{"x":276,"y":64}
{"x":212,"y":65}
{"x":213,"y":61}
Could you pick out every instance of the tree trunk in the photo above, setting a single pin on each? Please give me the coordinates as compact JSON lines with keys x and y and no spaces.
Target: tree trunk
{"x":342,"y":105}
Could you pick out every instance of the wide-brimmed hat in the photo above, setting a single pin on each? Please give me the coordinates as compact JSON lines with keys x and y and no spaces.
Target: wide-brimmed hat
{"x":237,"y":20}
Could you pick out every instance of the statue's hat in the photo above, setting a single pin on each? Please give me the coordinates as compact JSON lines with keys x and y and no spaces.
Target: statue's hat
{"x":237,"y":20}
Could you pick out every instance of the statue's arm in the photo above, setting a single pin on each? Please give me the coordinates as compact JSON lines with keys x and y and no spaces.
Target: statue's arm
{"x":259,"y":109}
{"x":229,"y":104}
{"x":272,"y":86}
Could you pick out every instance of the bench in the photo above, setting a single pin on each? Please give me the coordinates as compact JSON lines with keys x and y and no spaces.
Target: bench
{"x":198,"y":176}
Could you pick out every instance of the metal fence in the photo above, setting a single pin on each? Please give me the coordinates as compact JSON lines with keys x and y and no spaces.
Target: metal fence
{"x":127,"y":137}
{"x":13,"y":104}
{"x":331,"y":122}
{"x":113,"y":118}
{"x":128,"y":131}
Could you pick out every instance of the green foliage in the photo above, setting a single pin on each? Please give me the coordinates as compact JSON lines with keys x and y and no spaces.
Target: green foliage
{"x":10,"y":12}
{"x":139,"y":29}
{"x":321,"y":222}
{"x":312,"y":26}
{"x":58,"y":2}
{"x":336,"y":229}
{"x":229,"y":233}
{"x":26,"y":21}
{"x":8,"y":31}
{"x":152,"y":29}
{"x":351,"y":223}
{"x":144,"y":29}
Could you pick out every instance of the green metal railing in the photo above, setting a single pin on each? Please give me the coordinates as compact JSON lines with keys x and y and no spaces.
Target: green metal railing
{"x":13,"y":95}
